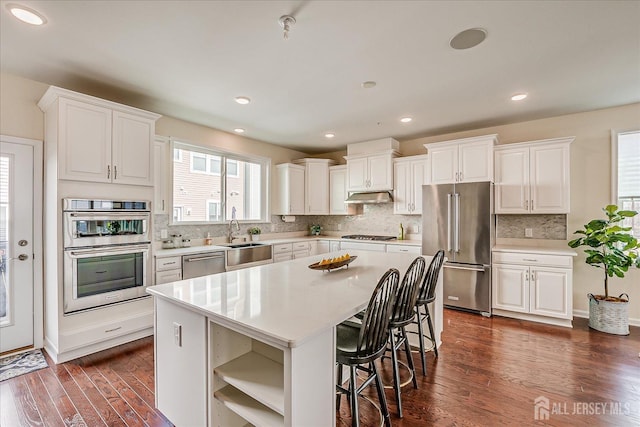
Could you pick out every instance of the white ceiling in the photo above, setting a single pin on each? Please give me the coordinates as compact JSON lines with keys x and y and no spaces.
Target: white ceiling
{"x":189,"y":59}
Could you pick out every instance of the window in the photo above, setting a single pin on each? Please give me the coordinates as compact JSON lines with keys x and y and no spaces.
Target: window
{"x":177,"y":213}
{"x":213,"y":211}
{"x":215,"y":186}
{"x":626,"y":175}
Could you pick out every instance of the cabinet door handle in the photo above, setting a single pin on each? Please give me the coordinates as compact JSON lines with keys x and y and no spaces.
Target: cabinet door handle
{"x":531,"y":204}
{"x":163,"y":205}
{"x":461,"y":178}
{"x":530,"y":259}
{"x":115,"y":172}
{"x":108,"y":172}
{"x":526,"y":205}
{"x":456,"y":179}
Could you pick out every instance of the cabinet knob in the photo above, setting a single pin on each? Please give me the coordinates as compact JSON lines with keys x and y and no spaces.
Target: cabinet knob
{"x":108,"y":172}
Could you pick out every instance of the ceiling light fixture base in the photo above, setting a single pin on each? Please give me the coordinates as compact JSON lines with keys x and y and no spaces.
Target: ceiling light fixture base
{"x":286,"y":22}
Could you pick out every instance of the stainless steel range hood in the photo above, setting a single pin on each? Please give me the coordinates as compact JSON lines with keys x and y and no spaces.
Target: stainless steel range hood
{"x":369,"y":198}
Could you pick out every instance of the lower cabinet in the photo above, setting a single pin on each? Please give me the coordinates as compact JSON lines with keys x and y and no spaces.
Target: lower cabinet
{"x":408,"y":249}
{"x":210,"y":375}
{"x":533,"y":286}
{"x":168,"y":269}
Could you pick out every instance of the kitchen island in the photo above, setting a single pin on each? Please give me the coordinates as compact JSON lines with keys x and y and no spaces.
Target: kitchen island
{"x":258,"y":345}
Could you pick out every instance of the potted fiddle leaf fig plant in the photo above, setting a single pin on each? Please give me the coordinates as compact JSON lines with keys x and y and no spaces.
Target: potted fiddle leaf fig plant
{"x":255,"y":233}
{"x":613,"y":248}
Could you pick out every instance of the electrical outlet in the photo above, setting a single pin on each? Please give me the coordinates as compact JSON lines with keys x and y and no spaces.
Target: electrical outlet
{"x":164,"y":233}
{"x":177,"y":334}
{"x":415,"y":229}
{"x":339,"y":227}
{"x":528,"y":232}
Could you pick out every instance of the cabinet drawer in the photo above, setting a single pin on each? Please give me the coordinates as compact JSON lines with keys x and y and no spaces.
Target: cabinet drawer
{"x":282,"y":257}
{"x":301,"y":246}
{"x":532,"y":259}
{"x":301,"y":254}
{"x":168,"y":276}
{"x":168,"y":263}
{"x":404,"y":249}
{"x":282,"y":248}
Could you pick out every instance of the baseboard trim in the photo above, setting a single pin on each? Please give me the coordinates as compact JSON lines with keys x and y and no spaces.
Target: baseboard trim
{"x":585,"y":315}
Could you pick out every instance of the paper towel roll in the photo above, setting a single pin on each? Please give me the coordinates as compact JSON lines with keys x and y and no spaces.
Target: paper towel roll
{"x":288,"y":218}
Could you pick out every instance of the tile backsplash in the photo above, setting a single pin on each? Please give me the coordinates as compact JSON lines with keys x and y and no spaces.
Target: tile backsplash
{"x":548,"y":227}
{"x":375,"y":219}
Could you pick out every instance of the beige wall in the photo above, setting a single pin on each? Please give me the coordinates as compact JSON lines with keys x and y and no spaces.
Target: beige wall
{"x":590,"y":159}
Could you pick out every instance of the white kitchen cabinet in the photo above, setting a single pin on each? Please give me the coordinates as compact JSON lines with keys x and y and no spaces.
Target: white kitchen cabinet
{"x":370,"y":172}
{"x":334,"y":246}
{"x":409,"y":249}
{"x":410,"y":174}
{"x":161,"y":176}
{"x":533,"y":286}
{"x":321,"y":247}
{"x":316,"y":185}
{"x":168,"y":269}
{"x":338,"y":192}
{"x":462,"y":160}
{"x":98,"y":140}
{"x":533,"y":177}
{"x":375,"y":247}
{"x":289,"y":189}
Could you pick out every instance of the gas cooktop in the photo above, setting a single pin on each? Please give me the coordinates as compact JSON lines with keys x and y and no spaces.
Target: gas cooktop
{"x":367,"y":237}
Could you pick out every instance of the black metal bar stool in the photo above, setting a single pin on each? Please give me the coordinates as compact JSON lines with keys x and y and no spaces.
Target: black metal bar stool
{"x":360,"y":344}
{"x":425,"y":297}
{"x":402,"y":315}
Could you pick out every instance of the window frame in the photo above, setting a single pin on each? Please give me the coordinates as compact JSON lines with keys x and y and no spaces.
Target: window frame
{"x":265,"y":180}
{"x":615,"y":135}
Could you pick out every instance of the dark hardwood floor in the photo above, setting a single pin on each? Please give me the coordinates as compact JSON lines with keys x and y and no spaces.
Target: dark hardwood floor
{"x":489,"y":373}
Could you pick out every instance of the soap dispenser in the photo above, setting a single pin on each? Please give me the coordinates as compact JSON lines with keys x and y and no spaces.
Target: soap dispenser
{"x":401,"y":232}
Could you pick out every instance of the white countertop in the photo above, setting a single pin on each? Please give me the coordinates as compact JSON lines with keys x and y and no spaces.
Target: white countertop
{"x":535,"y":250}
{"x":212,"y":248}
{"x":286,"y":302}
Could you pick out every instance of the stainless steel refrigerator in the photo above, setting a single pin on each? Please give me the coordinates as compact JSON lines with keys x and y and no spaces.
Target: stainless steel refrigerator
{"x":458,"y":218}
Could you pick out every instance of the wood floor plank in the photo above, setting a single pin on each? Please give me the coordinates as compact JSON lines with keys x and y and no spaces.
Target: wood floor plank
{"x":8,"y":407}
{"x":85,"y":408}
{"x":60,"y":399}
{"x":25,"y":404}
{"x":99,"y":402}
{"x":46,"y":406}
{"x":489,"y":373}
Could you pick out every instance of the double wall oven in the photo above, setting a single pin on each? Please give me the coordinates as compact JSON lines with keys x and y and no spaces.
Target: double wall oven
{"x":106,"y":252}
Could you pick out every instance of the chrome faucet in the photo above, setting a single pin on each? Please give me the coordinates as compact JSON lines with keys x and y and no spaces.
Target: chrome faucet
{"x":231,"y":234}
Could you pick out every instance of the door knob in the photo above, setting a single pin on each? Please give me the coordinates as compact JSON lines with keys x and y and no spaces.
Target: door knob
{"x":23,"y":257}
{"x":23,"y":243}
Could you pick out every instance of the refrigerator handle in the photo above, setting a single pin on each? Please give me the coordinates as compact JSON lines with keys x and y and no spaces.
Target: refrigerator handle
{"x":449,"y":222}
{"x":457,"y":222}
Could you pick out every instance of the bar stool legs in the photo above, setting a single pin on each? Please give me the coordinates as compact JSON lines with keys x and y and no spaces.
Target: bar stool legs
{"x":422,"y":336}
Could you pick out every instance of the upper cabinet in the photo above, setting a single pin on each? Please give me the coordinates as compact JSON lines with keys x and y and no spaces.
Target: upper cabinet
{"x":410,"y":174}
{"x":370,"y":165}
{"x":338,"y":192}
{"x":316,"y":185}
{"x":462,"y":160}
{"x":289,"y":189}
{"x":98,"y":140}
{"x":533,"y":177}
{"x":161,"y":176}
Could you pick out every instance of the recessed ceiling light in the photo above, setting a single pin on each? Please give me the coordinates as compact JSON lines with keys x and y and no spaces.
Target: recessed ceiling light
{"x":243,"y":100}
{"x":329,"y":135}
{"x":406,"y":119}
{"x":518,"y":96}
{"x":468,"y":38}
{"x":368,"y":84}
{"x":26,"y":15}
{"x":238,"y":130}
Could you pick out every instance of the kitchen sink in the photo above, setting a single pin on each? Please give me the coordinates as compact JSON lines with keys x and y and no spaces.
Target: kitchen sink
{"x":247,"y":253}
{"x":244,"y":245}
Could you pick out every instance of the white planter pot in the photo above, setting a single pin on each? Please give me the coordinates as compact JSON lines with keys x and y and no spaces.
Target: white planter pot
{"x":611,"y":317}
{"x":255,"y":237}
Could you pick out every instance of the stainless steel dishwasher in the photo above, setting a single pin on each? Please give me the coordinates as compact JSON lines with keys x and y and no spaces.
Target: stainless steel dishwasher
{"x":202,"y":264}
